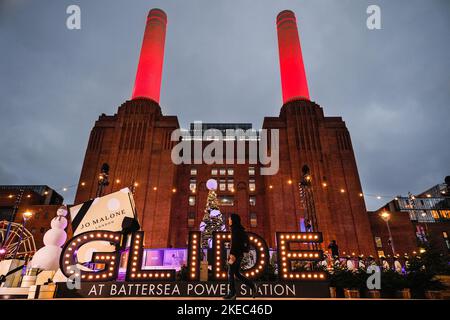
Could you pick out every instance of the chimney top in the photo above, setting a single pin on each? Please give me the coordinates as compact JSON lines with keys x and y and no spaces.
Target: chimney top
{"x":157,"y":14}
{"x":285,"y":15}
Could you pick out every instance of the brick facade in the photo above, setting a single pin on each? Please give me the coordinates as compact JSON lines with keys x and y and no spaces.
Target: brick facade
{"x":41,"y":201}
{"x":136,"y":144}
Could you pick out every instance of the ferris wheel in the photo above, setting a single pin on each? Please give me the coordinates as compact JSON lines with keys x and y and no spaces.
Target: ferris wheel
{"x":18,"y":243}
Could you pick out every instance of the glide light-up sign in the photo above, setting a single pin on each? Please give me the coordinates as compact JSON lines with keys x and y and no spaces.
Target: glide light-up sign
{"x":290,"y":249}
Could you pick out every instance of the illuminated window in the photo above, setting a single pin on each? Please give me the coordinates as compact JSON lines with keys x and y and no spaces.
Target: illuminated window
{"x":214,"y":172}
{"x":222,"y":185}
{"x":251,"y":171}
{"x":252,"y":185}
{"x":191,"y":219}
{"x":230,"y":185}
{"x":435,"y":214}
{"x":222,"y":172}
{"x":193,"y":172}
{"x":252,"y":201}
{"x":378,"y":242}
{"x":226,"y":200}
{"x":192,"y":184}
{"x":192,"y":200}
{"x":445,"y":214}
{"x":230,"y":171}
{"x":253,"y":220}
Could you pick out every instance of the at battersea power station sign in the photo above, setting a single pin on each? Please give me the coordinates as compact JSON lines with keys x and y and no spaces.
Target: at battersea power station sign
{"x":102,"y":281}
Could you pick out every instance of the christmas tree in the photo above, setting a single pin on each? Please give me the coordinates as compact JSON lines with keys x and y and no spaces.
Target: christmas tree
{"x":213,"y":219}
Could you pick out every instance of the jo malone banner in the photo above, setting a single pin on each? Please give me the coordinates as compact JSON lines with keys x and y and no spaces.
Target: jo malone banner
{"x":103,"y":213}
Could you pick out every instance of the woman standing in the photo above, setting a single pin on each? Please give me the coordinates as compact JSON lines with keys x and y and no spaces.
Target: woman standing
{"x":239,"y":245}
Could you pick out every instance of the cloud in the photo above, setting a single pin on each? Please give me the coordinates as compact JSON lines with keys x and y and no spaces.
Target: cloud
{"x":391,"y":86}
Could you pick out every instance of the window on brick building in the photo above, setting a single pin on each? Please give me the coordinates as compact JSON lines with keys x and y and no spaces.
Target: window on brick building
{"x":192,"y":184}
{"x":214,"y":172}
{"x":226,"y":200}
{"x":192,"y":200}
{"x":230,"y":184}
{"x":251,"y":185}
{"x":193,"y":172}
{"x":252,"y":201}
{"x":222,"y":172}
{"x":46,"y":215}
{"x":253,"y":220}
{"x":251,"y":171}
{"x":222,"y":185}
{"x":230,"y":171}
{"x":191,"y":219}
{"x":378,"y":242}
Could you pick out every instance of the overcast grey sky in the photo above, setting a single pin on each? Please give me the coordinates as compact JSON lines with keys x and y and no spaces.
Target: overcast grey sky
{"x":391,"y":86}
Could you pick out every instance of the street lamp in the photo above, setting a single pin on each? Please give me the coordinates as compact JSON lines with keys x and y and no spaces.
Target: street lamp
{"x":26,"y":216}
{"x":424,"y":215}
{"x":103,"y":179}
{"x":307,"y":197}
{"x":386,"y":216}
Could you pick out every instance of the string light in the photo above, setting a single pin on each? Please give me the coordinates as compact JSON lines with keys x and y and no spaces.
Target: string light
{"x":360,"y":194}
{"x":194,"y":256}
{"x":107,"y":259}
{"x":262,"y":255}
{"x":135,"y":262}
{"x":287,"y":255}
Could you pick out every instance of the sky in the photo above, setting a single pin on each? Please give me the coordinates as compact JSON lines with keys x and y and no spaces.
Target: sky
{"x":391,"y":86}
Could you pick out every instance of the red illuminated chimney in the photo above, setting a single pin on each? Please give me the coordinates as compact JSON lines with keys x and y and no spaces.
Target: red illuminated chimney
{"x":148,"y":75}
{"x":293,"y":76}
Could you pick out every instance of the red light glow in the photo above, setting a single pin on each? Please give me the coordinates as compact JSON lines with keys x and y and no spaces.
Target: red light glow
{"x":293,"y":76}
{"x":149,"y":72}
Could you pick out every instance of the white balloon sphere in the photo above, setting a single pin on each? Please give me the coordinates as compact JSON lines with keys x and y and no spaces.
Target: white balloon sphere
{"x":211,"y":184}
{"x":47,"y":258}
{"x":214,"y":213}
{"x":58,"y":223}
{"x":55,"y":237}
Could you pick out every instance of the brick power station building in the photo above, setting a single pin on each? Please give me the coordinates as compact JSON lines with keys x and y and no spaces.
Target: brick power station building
{"x":170,"y":199}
